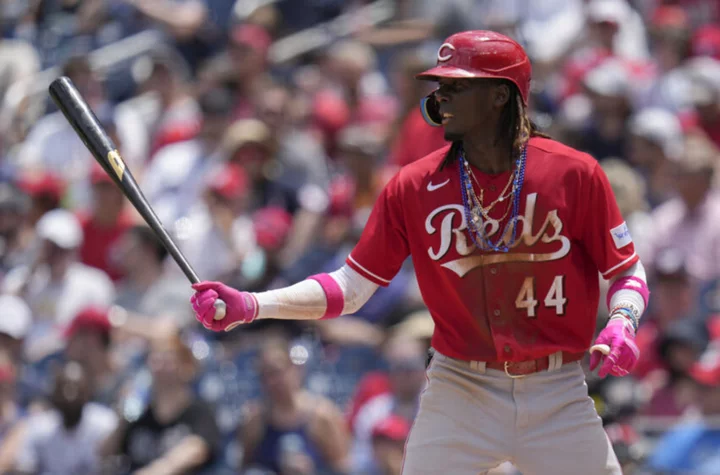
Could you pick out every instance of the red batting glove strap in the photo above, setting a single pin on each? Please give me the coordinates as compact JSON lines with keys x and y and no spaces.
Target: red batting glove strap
{"x":242,"y":307}
{"x":620,"y":337}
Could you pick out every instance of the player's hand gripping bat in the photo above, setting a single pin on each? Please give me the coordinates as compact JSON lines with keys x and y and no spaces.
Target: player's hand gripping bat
{"x":88,"y":128}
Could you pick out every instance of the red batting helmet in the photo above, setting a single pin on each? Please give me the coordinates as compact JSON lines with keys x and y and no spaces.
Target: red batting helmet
{"x":482,"y":54}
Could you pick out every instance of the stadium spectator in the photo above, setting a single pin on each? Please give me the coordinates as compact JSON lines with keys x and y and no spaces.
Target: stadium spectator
{"x":88,"y":342}
{"x":173,"y":181}
{"x":292,"y":430}
{"x":388,"y":441}
{"x":149,"y":289}
{"x":685,"y":222}
{"x":220,"y":232}
{"x":656,"y":139}
{"x":45,"y":190}
{"x":16,"y":232}
{"x":56,"y":285}
{"x":704,"y":114}
{"x":176,"y":433}
{"x":412,"y":137}
{"x":103,"y":224}
{"x":406,"y":376}
{"x":691,"y":446}
{"x":53,"y":146}
{"x":74,"y":426}
{"x":174,"y":115}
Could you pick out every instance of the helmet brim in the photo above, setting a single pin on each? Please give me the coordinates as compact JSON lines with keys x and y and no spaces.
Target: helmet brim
{"x":437,"y":72}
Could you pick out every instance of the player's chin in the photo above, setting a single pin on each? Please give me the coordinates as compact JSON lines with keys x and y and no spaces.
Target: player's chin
{"x":452,"y":135}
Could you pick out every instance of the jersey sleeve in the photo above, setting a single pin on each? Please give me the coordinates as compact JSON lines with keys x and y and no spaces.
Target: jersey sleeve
{"x":383,"y":245}
{"x":605,"y":233}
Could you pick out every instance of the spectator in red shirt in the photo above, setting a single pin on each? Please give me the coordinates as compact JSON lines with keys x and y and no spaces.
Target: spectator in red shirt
{"x":413,"y":138}
{"x":104,"y":224}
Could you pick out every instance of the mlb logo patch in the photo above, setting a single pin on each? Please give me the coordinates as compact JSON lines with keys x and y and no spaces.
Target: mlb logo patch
{"x":621,"y":235}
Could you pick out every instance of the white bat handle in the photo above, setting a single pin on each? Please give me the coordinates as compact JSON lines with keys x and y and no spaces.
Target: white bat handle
{"x":220,"y":309}
{"x":604,"y":349}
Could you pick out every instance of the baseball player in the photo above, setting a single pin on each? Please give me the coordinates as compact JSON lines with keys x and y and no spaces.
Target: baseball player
{"x":508,"y":231}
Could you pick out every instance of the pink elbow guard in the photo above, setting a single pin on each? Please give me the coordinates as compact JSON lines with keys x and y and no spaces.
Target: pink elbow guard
{"x":630,"y":283}
{"x":333,"y":294}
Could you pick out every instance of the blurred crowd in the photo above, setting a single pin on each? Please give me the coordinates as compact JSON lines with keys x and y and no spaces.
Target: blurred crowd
{"x":261,"y":132}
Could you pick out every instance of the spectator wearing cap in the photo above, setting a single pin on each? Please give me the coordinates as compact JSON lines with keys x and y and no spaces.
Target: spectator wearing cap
{"x":175,"y":179}
{"x":601,"y":130}
{"x":173,"y":113}
{"x":57,"y":285}
{"x":15,"y":324}
{"x":613,"y":31}
{"x":388,"y":441}
{"x":45,"y":190}
{"x":692,"y":446}
{"x":16,"y":231}
{"x":220,"y":233}
{"x":405,"y":358}
{"x":88,"y":341}
{"x":53,"y":146}
{"x":412,"y":137}
{"x":656,"y":139}
{"x":103,"y":224}
{"x":149,"y":289}
{"x":687,"y":222}
{"x":703,"y":117}
{"x":706,"y":41}
{"x":418,"y":326}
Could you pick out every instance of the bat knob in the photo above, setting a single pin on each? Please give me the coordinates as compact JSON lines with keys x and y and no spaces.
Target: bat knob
{"x":220,"y":309}
{"x":604,"y":349}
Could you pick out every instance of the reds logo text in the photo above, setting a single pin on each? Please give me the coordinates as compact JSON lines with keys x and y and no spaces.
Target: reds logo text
{"x":450,"y":232}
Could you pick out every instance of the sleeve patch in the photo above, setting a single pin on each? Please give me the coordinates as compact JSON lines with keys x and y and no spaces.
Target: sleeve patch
{"x":621,"y":235}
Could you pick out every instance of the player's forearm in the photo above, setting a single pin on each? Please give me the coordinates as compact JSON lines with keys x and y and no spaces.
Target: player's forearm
{"x":308,"y":300}
{"x":628,"y":293}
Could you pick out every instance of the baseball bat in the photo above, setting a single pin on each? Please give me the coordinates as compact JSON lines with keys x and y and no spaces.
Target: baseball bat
{"x":78,"y":113}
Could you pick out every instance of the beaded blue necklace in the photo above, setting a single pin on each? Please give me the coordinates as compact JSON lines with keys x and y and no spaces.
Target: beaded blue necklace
{"x":472,"y":214}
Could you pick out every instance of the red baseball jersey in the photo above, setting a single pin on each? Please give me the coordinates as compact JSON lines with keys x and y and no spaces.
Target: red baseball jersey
{"x":538,"y":298}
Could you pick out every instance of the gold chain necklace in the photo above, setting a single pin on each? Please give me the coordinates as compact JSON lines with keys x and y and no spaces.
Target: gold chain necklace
{"x":504,"y":194}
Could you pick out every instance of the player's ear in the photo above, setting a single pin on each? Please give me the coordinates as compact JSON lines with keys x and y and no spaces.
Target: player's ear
{"x":501,"y":95}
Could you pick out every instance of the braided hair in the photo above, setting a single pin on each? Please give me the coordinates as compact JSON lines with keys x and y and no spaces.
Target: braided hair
{"x":514,"y":126}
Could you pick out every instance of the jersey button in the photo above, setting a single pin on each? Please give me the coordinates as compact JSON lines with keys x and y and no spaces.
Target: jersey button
{"x":496,"y":313}
{"x":508,"y":349}
{"x":493,"y":188}
{"x":493,"y":270}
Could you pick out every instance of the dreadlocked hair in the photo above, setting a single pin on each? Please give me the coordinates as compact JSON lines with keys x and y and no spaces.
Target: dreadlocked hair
{"x":514,"y":126}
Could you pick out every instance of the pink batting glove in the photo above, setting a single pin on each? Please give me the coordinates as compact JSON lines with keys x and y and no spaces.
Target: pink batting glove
{"x":242,"y":307}
{"x":622,"y":357}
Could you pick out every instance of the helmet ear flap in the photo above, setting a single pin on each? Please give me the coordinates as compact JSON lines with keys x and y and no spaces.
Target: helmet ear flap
{"x":431,"y":110}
